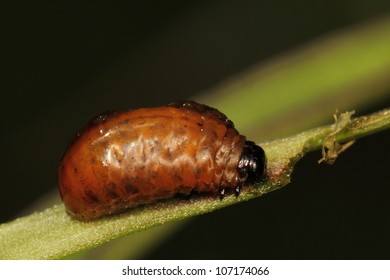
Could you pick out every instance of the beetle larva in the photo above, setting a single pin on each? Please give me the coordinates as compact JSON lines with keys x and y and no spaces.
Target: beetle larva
{"x":129,"y":158}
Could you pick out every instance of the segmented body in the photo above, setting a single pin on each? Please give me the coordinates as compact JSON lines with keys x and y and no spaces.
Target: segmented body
{"x":130,"y":158}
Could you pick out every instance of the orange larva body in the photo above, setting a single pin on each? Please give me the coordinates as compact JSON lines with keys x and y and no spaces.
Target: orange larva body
{"x":130,"y":158}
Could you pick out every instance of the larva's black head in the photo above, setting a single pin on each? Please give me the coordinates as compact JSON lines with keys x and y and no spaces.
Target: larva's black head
{"x":252,"y":165}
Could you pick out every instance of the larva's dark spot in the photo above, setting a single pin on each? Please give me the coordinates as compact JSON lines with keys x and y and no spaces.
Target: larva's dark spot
{"x":111,"y":191}
{"x":150,"y":154}
{"x":91,"y":197}
{"x":130,"y":189}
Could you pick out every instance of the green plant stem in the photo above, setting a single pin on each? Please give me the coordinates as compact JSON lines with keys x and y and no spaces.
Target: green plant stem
{"x":52,"y":234}
{"x":345,"y":70}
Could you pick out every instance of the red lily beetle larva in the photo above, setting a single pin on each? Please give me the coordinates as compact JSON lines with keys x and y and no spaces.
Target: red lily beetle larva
{"x":129,"y":158}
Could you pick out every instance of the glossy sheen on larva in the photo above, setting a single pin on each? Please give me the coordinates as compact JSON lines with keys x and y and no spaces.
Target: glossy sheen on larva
{"x":125,"y":159}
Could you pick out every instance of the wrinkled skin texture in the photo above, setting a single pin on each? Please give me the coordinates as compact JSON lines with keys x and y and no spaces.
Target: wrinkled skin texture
{"x":130,"y":158}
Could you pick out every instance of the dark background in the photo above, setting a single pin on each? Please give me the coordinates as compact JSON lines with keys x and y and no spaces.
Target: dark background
{"x":65,"y":62}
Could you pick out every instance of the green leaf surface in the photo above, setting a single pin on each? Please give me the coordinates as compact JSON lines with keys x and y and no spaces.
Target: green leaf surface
{"x":52,"y":234}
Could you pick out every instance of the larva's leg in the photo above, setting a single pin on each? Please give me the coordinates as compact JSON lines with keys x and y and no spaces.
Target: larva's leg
{"x":237,"y":191}
{"x":222,"y":193}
